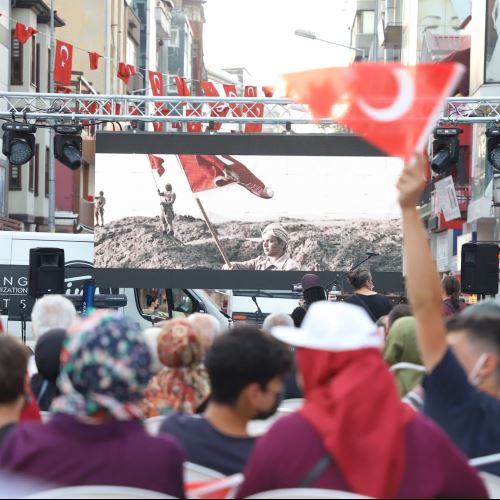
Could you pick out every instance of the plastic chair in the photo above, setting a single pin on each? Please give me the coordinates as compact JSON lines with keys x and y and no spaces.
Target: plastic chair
{"x":46,"y":416}
{"x":90,"y":492}
{"x":492,"y":484}
{"x":305,"y":493}
{"x":153,"y":424}
{"x":194,"y":473}
{"x":407,"y":366}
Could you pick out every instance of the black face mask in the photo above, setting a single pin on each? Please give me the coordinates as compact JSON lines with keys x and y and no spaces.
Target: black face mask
{"x":264,"y":415}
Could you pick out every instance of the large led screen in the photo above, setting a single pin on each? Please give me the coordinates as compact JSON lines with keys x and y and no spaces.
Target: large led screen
{"x":222,"y":212}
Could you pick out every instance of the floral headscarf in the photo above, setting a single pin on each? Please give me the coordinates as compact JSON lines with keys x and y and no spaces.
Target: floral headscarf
{"x":105,"y":368}
{"x":183,"y":384}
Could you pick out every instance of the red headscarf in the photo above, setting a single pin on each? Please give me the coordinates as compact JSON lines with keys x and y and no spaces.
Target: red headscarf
{"x":352,"y":401}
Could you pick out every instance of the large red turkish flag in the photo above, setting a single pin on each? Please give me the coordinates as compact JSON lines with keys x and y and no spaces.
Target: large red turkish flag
{"x":63,"y":65}
{"x":23,"y":33}
{"x":394,"y":107}
{"x":205,"y":172}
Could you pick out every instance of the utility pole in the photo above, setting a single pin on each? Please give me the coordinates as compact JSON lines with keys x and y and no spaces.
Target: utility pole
{"x":52,"y":166}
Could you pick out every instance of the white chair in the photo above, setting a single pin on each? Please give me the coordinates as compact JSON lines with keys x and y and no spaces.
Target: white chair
{"x":305,"y":493}
{"x":492,"y":484}
{"x":46,"y":416}
{"x":291,"y":405}
{"x":153,"y":424}
{"x":91,"y":492}
{"x":224,"y":488}
{"x":407,"y":366}
{"x":194,"y":473}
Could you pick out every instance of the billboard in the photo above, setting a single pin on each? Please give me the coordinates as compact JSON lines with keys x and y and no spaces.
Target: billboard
{"x":231,"y":208}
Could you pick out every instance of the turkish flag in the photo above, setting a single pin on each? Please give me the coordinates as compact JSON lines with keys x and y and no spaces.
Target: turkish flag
{"x":124,"y":73}
{"x":156,"y":83}
{"x":206,"y":172}
{"x":230,"y":90}
{"x":253,"y":111}
{"x":394,"y":107}
{"x":23,"y":33}
{"x":268,"y":90}
{"x":63,"y":65}
{"x":94,"y":60}
{"x":182,"y":86}
{"x":132,"y":70}
{"x":218,"y":109}
{"x":157,"y":164}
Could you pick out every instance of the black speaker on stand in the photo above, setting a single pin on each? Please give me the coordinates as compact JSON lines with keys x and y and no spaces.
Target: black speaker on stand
{"x":46,"y":272}
{"x":480,"y":268}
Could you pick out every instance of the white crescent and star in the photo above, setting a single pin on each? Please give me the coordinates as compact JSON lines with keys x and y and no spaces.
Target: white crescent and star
{"x":401,"y":105}
{"x":157,"y":83}
{"x":64,"y":49}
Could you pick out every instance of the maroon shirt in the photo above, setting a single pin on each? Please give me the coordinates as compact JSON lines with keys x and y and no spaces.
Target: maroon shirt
{"x":285,"y":456}
{"x":67,"y":452}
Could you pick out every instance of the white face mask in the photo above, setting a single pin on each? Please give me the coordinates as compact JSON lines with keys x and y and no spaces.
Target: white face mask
{"x":474,"y":374}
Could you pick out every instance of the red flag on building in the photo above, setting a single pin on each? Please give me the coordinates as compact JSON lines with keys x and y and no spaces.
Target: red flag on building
{"x":253,"y":111}
{"x":218,"y":109}
{"x":63,"y":65}
{"x":156,"y":82}
{"x":394,"y":107}
{"x":230,"y":90}
{"x":124,"y":72}
{"x":205,"y":172}
{"x":182,"y":86}
{"x":268,"y":90}
{"x":157,"y":164}
{"x":94,"y":60}
{"x":23,"y":33}
{"x":132,"y":70}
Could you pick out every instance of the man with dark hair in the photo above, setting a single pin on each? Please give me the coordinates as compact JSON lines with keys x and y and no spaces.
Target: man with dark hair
{"x":398,"y":312}
{"x":462,"y":358}
{"x":246,"y":368}
{"x":13,"y":383}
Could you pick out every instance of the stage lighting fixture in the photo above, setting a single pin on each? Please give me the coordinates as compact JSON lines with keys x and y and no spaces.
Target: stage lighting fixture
{"x":493,"y":148}
{"x":445,"y":149}
{"x":18,"y":142}
{"x":68,"y":145}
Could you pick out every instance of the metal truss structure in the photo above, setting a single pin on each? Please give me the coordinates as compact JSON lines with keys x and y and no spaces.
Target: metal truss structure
{"x":90,"y":108}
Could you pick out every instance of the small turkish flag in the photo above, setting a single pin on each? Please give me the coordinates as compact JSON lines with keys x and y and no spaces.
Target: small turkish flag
{"x":94,"y":60}
{"x":182,"y":86}
{"x":23,"y":33}
{"x":230,"y":90}
{"x":394,"y":107}
{"x":268,"y":90}
{"x":253,"y":111}
{"x":124,"y":73}
{"x":156,"y":82}
{"x":63,"y":65}
{"x":132,"y":70}
{"x":157,"y":164}
{"x":218,"y":109}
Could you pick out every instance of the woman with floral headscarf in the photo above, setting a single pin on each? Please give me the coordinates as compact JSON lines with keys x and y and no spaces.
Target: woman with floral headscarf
{"x":183,"y":384}
{"x":96,"y":435}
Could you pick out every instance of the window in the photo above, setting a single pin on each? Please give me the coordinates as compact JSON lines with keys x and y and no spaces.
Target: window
{"x":31,"y":179}
{"x":33,"y":62}
{"x":47,"y":156}
{"x":174,"y":38}
{"x":366,"y":22}
{"x":37,"y":74}
{"x":183,"y":304}
{"x":15,"y":179}
{"x":153,"y":304}
{"x":37,"y":169}
{"x":16,"y":61}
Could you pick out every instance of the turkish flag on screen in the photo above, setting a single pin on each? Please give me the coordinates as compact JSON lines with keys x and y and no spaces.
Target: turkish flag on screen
{"x":205,"y":172}
{"x":394,"y":107}
{"x":23,"y":33}
{"x":63,"y":64}
{"x":157,"y":164}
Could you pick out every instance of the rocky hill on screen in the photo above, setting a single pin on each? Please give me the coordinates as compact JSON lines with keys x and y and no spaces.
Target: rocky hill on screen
{"x":138,"y":242}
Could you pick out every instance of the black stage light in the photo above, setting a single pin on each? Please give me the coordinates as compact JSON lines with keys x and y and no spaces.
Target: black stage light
{"x":493,"y":148}
{"x":68,"y":145}
{"x":445,"y":149}
{"x":18,"y":142}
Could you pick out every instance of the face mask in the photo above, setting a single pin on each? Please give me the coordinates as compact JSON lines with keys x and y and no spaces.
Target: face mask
{"x":474,"y":374}
{"x":264,"y":415}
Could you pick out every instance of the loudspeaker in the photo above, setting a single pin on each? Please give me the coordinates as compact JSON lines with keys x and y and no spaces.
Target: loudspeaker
{"x":480,"y":268}
{"x":46,"y":272}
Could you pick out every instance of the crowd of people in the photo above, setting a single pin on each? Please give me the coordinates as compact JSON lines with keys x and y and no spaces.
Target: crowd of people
{"x":396,"y":401}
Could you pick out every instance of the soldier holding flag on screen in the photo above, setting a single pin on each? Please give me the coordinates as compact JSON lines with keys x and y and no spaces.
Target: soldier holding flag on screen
{"x":168,"y":198}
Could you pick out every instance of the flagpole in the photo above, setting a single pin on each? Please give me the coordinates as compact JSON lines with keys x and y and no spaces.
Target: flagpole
{"x":214,"y":234}
{"x":208,"y":223}
{"x":52,"y":167}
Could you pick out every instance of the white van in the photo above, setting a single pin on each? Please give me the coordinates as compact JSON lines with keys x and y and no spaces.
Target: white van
{"x":147,"y":306}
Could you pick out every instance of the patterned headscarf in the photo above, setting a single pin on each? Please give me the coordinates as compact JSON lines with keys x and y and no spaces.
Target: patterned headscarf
{"x":105,"y":368}
{"x":183,"y":384}
{"x":278,"y":231}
